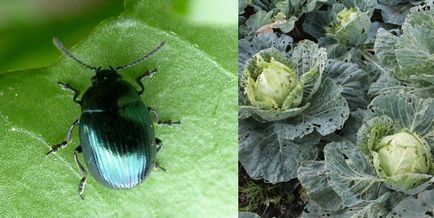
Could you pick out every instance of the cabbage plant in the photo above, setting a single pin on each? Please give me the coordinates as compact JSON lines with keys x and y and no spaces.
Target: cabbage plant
{"x":391,"y":162}
{"x":278,"y":88}
{"x":287,"y":99}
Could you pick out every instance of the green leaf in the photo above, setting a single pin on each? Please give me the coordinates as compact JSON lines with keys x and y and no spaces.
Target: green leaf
{"x":313,"y":177}
{"x":248,"y":215}
{"x":416,"y":206}
{"x":327,"y":113}
{"x":192,"y":85}
{"x":394,"y":14}
{"x":261,"y":42}
{"x":353,"y":79}
{"x":351,"y":175}
{"x":415,"y":48}
{"x":256,"y":21}
{"x":355,"y":32}
{"x":218,"y":41}
{"x":316,"y":21}
{"x":406,"y":111}
{"x":264,"y":153}
{"x":374,"y":208}
{"x":385,"y":82}
{"x":384,"y":48}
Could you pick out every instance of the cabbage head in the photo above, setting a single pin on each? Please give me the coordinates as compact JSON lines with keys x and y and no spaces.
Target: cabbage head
{"x":398,"y":155}
{"x":397,"y":139}
{"x":273,"y":85}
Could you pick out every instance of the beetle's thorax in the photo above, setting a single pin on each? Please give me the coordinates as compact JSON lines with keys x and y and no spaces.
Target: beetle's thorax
{"x":105,"y":76}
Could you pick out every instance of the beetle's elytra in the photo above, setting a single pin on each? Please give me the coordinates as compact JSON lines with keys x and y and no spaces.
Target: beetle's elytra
{"x":116,"y":131}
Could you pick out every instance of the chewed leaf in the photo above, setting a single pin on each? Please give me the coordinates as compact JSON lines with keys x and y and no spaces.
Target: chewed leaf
{"x":414,"y":49}
{"x":269,"y":115}
{"x":406,"y":111}
{"x":246,"y":48}
{"x":355,"y":33}
{"x":373,"y":208}
{"x":362,"y":5}
{"x":352,"y":176}
{"x":415,"y":206}
{"x":384,"y":48}
{"x":309,"y":61}
{"x":372,"y":131}
{"x":328,"y":112}
{"x":308,"y":55}
{"x":313,"y":177}
{"x":265,"y":154}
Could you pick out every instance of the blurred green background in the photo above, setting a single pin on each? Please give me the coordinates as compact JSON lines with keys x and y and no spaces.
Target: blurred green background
{"x":28,"y":26}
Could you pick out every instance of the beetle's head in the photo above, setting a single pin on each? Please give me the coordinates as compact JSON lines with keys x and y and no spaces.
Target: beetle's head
{"x":105,"y":76}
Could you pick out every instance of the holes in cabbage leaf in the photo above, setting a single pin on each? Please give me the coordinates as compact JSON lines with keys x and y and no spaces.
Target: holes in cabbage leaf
{"x":345,"y":156}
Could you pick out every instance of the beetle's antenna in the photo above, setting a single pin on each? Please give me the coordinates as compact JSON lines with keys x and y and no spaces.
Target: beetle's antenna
{"x":146,"y":56}
{"x":62,"y":49}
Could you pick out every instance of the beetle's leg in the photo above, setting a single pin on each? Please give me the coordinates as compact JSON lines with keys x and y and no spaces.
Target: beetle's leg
{"x":158,"y":121}
{"x":82,"y":170}
{"x":158,"y":143}
{"x":168,"y":122}
{"x":157,"y":165}
{"x":66,"y":141}
{"x":68,"y":87}
{"x":139,"y":80}
{"x":156,"y":114}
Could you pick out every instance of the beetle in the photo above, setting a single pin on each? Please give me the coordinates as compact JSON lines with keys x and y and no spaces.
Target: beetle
{"x":116,"y":131}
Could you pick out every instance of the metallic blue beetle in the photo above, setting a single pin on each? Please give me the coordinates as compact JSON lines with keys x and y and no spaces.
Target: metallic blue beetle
{"x":116,"y":130}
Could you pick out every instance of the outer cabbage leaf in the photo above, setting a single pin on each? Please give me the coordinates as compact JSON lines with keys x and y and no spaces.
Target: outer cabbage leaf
{"x":354,"y":81}
{"x":265,"y":153}
{"x":248,"y":215}
{"x":419,"y":85}
{"x":394,"y":14}
{"x":246,"y":48}
{"x":327,"y":113}
{"x":248,"y":29}
{"x":354,"y":32}
{"x":421,"y":205}
{"x":384,"y":48}
{"x":313,"y":177}
{"x":362,"y":5}
{"x":406,"y":111}
{"x":350,"y":174}
{"x":415,"y":48}
{"x":242,"y":4}
{"x":316,"y":21}
{"x":349,"y":131}
{"x":375,"y":208}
